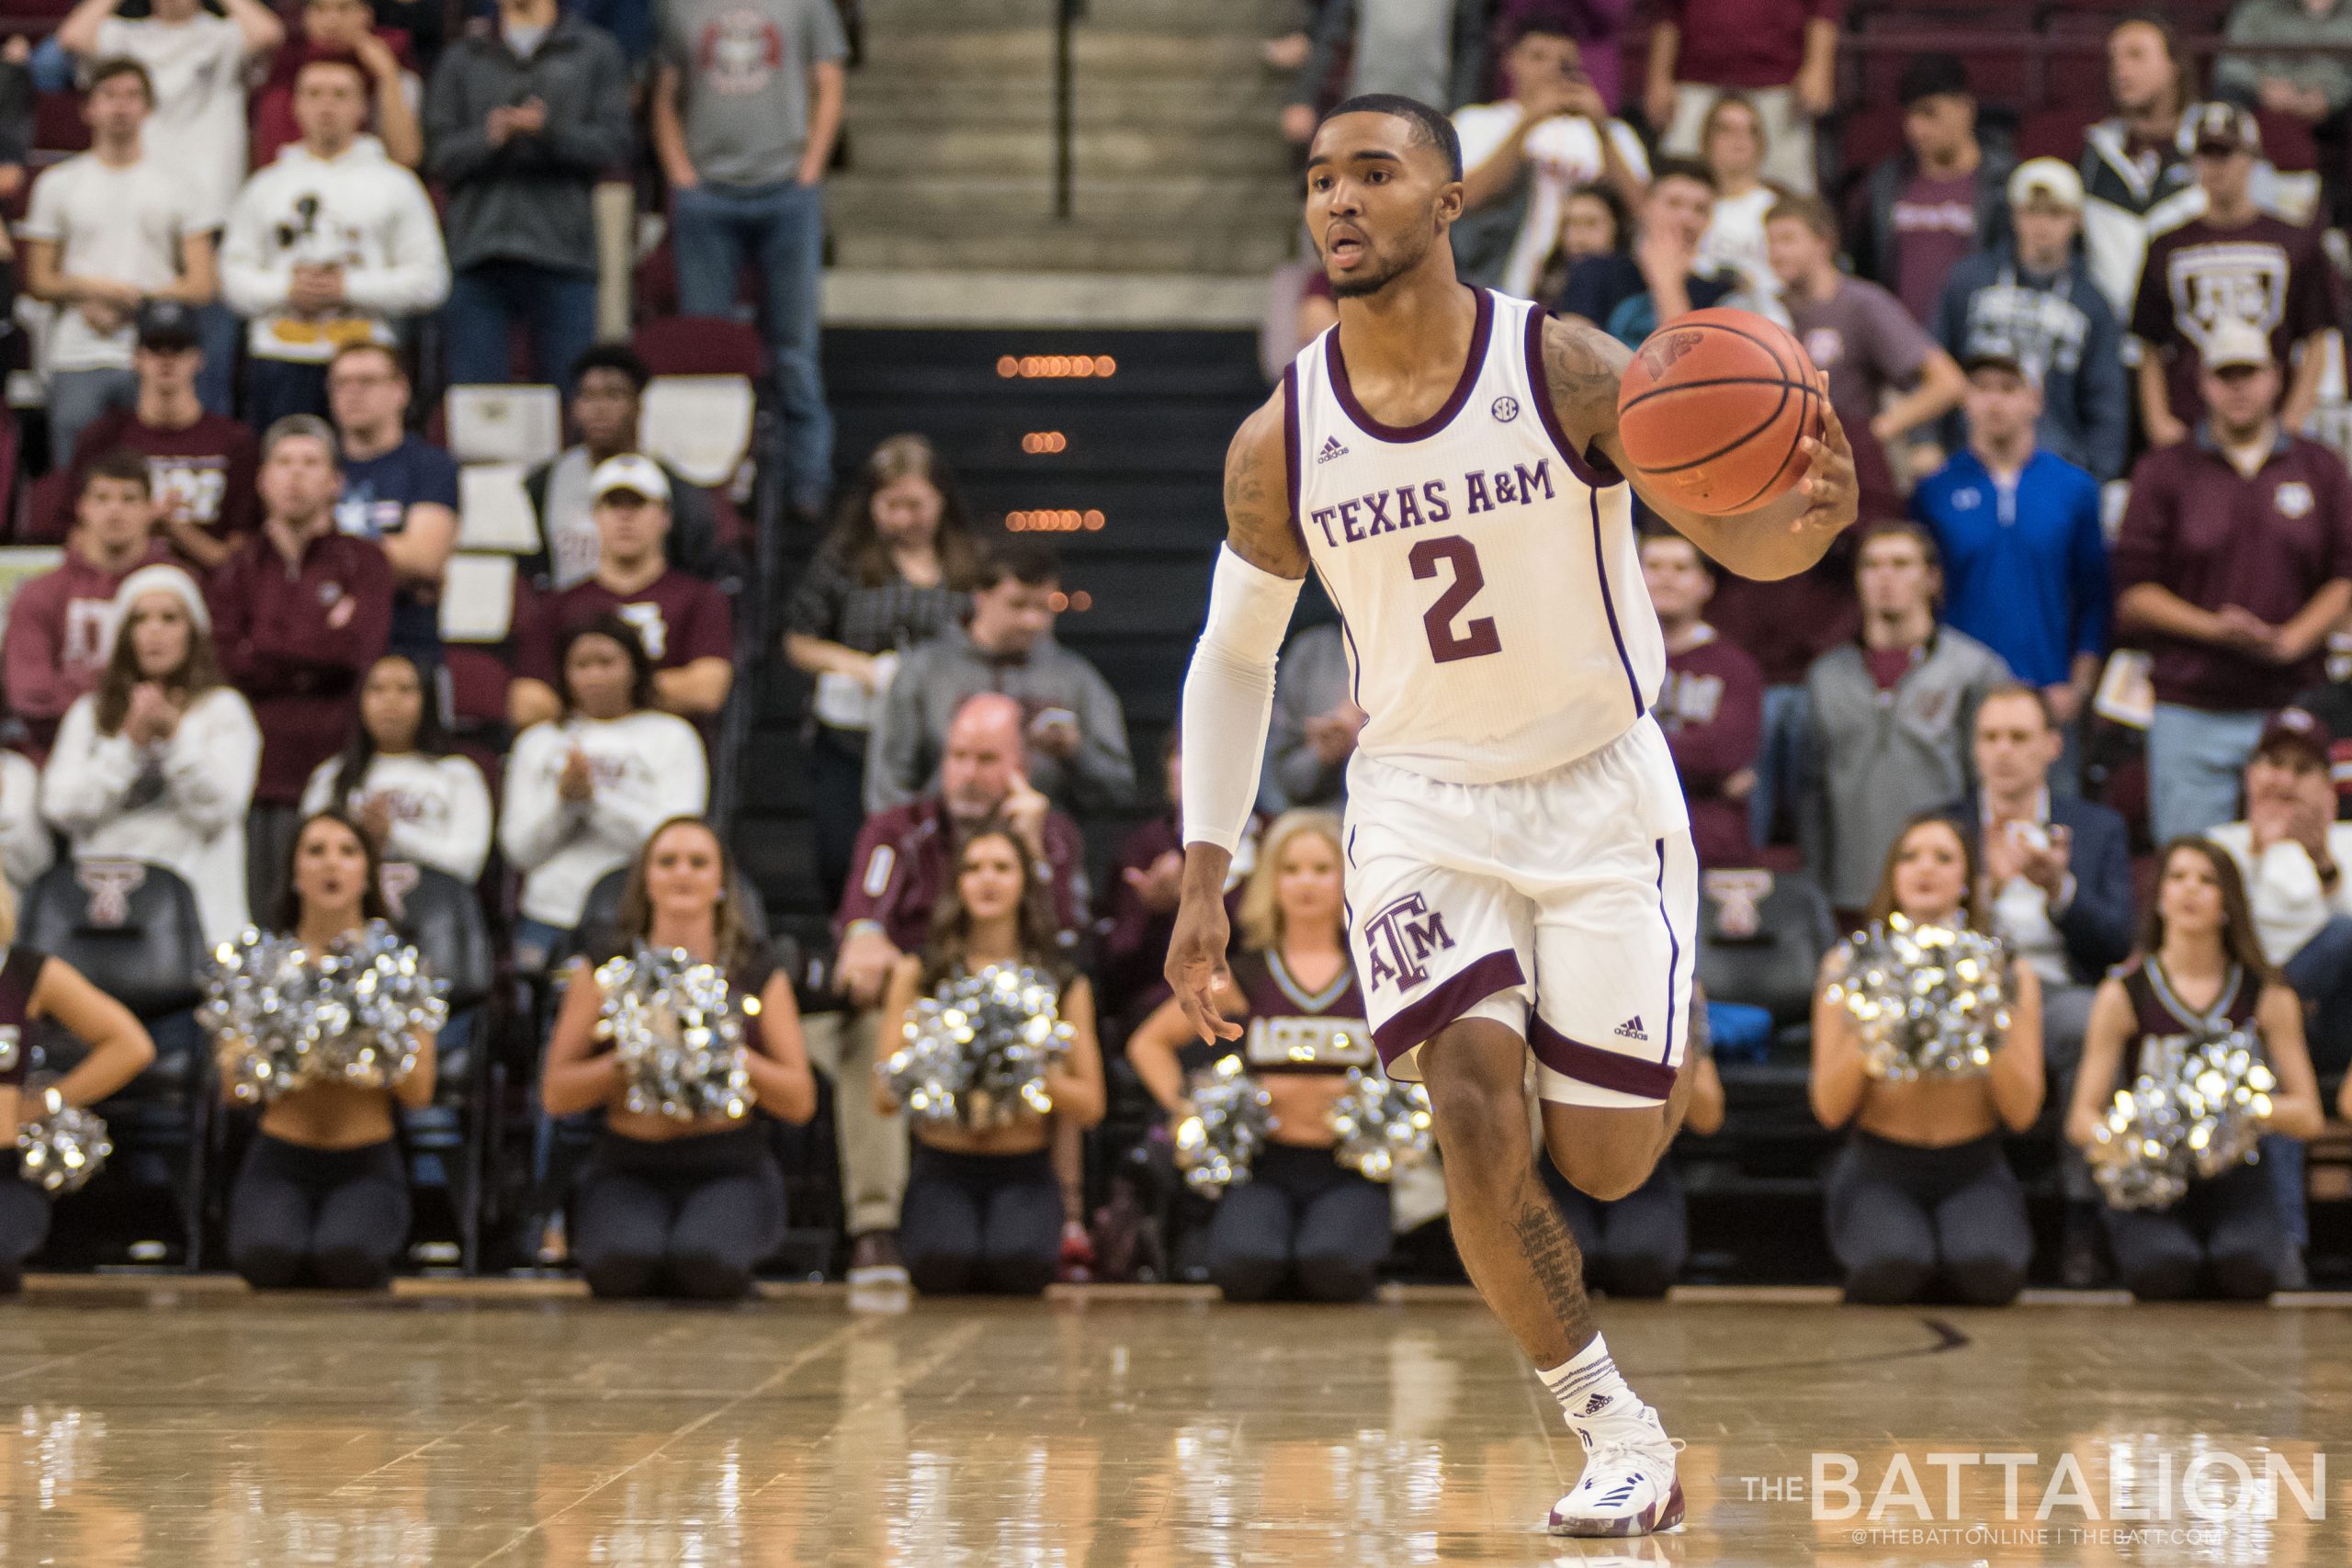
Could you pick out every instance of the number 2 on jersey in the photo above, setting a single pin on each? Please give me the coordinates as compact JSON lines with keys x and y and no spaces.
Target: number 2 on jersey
{"x":1477,"y":638}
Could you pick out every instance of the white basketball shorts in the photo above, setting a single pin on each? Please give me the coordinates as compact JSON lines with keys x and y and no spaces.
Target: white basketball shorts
{"x":1563,"y":905}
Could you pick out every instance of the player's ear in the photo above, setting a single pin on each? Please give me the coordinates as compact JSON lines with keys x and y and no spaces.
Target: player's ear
{"x":1450,"y":202}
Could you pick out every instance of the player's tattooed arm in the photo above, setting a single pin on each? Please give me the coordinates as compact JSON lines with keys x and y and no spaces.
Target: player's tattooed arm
{"x":1582,"y":370}
{"x":1258,"y":524}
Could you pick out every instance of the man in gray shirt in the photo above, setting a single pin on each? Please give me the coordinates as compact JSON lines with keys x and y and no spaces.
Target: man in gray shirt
{"x":1075,"y":730}
{"x":747,"y":103}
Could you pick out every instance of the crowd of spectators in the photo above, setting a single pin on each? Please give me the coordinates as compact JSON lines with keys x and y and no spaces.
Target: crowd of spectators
{"x":2088,"y":609}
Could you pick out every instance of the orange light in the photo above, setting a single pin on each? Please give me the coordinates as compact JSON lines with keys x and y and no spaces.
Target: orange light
{"x":1008,"y":367}
{"x":1081,"y":600}
{"x":1057,"y":366}
{"x":1105,"y":366}
{"x":1094,"y":520}
{"x":1037,"y":442}
{"x":1057,"y":601}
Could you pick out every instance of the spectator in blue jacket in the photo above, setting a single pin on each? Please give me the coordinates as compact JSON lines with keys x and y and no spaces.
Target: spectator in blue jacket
{"x":2034,"y":299}
{"x":2025,"y":561}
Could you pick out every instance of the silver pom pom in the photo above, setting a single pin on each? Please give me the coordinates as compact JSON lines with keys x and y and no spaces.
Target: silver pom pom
{"x":1382,"y":1125}
{"x":282,"y":1016}
{"x":976,"y":1051}
{"x":1928,"y":1001}
{"x":678,"y":1032}
{"x":62,"y":1147}
{"x":1232,"y":1113}
{"x":2199,"y":1112}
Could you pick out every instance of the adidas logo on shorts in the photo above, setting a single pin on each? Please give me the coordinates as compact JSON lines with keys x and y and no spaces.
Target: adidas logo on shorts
{"x":1632,"y":1030}
{"x":1330,"y":449}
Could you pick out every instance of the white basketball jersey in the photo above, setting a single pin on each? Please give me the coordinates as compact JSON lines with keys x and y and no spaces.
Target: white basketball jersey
{"x":1487,"y":577}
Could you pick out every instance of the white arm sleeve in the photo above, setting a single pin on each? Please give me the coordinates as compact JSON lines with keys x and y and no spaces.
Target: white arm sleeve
{"x":1228,"y":695}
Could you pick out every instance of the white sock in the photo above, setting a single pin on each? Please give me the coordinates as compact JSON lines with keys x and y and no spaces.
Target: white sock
{"x":1588,"y":1387}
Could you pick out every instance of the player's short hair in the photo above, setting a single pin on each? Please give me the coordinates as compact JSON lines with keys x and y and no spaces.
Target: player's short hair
{"x":1431,"y":128}
{"x":1030,"y":562}
{"x":120,"y":465}
{"x":2030,"y":691}
{"x":1810,"y":210}
{"x":1678,"y":168}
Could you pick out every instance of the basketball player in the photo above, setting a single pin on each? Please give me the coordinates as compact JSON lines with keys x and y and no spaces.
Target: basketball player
{"x":1518,"y":871}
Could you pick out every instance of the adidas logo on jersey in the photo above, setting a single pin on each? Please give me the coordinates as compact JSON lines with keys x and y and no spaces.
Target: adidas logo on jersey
{"x":1632,"y":1030}
{"x":1331,"y":448}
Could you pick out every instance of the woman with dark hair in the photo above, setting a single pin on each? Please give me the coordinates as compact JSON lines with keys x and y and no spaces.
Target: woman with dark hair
{"x":158,"y":763}
{"x":2199,"y":973}
{"x":1922,"y":1189}
{"x":34,"y":986}
{"x":1302,"y":1222}
{"x":585,"y":793}
{"x":983,"y":1209}
{"x":323,"y":1197}
{"x":398,"y":777}
{"x":1593,"y":222}
{"x":668,"y":1204}
{"x":898,"y":569}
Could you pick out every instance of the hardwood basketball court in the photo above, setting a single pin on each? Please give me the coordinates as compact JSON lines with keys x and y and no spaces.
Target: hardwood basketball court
{"x":156,"y":1422}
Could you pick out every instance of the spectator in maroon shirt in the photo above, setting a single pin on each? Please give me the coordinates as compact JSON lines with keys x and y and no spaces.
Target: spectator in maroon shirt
{"x":342,"y":29}
{"x":2231,"y":263}
{"x":903,"y":860}
{"x":684,"y":622}
{"x":58,"y":622}
{"x":200,"y":465}
{"x":1141,"y":897}
{"x":1712,"y":707}
{"x":299,"y":614}
{"x":1781,"y":55}
{"x":1944,"y":197}
{"x":2234,"y":562}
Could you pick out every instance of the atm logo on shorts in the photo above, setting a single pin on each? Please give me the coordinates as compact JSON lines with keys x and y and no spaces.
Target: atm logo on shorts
{"x":1399,"y":937}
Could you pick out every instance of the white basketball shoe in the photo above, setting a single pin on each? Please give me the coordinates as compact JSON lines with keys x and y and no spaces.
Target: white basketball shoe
{"x":1628,"y":1486}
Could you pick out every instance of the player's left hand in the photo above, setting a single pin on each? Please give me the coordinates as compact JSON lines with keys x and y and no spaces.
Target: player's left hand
{"x":1833,"y":497}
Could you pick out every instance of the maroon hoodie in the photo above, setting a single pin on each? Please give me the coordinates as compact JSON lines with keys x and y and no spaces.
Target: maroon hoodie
{"x":55,"y":648}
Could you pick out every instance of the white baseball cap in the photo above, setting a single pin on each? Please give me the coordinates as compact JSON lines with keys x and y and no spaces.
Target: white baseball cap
{"x":2047,"y":179}
{"x":633,"y":472}
{"x":2235,"y":342}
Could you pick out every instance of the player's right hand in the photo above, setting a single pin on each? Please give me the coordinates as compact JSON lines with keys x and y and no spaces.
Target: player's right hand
{"x":1197,"y":964}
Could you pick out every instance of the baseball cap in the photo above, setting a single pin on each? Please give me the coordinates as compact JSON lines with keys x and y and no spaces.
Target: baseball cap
{"x":2296,"y":730}
{"x":2046,"y":179}
{"x":1925,"y":75}
{"x":2235,"y":342}
{"x":167,"y":325}
{"x":2224,"y":126}
{"x":636,"y":474}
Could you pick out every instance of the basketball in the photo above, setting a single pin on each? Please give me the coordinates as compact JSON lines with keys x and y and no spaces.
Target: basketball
{"x":1714,"y":409}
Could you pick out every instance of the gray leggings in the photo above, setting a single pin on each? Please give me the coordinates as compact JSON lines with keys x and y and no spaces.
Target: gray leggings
{"x":1300,"y":1223}
{"x":24,"y":1225}
{"x":691,"y":1216}
{"x":2224,"y":1237}
{"x":1902,"y":1216}
{"x":336,"y":1218}
{"x":1634,"y":1246}
{"x":980,"y":1223}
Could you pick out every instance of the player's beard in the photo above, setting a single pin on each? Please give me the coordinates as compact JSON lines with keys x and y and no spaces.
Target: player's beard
{"x":1398,"y":263}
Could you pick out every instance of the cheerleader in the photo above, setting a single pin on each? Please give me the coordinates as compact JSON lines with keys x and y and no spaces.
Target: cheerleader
{"x":668,"y":1206}
{"x":584,"y":795}
{"x":983,"y":1209}
{"x":35,"y":986}
{"x":399,"y":778}
{"x":1922,"y":1188}
{"x":2200,"y":971}
{"x":1303,"y":1223}
{"x":323,"y":1197}
{"x":1635,"y":1245}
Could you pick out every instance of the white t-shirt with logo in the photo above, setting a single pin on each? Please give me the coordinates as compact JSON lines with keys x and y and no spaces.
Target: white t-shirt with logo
{"x":1565,"y":151}
{"x":121,"y":222}
{"x":1733,"y":242}
{"x":198,"y":126}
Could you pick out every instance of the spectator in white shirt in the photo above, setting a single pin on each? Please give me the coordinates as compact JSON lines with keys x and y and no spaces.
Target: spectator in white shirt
{"x":1521,"y":157}
{"x":107,"y":229}
{"x":419,"y":799}
{"x":332,"y":244}
{"x":1732,"y":141}
{"x":585,"y":792}
{"x":2294,"y":853}
{"x":158,"y":763}
{"x":26,"y":849}
{"x":197,"y":61}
